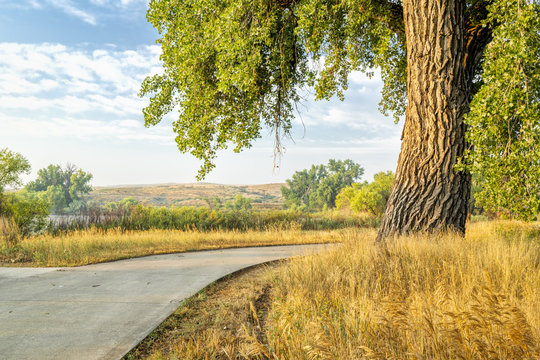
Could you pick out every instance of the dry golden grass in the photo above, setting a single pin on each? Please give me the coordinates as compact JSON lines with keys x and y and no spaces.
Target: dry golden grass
{"x":420,"y":297}
{"x":92,"y":246}
{"x":9,"y":232}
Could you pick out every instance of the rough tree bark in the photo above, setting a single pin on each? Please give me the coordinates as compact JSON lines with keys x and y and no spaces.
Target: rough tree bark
{"x":428,"y":194}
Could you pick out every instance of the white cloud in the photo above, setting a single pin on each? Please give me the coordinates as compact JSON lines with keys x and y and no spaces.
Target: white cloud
{"x":12,"y":84}
{"x":51,"y":82}
{"x":122,"y":71}
{"x":360,"y":78}
{"x":34,"y":4}
{"x":337,"y":116}
{"x":83,"y":10}
{"x":352,"y":114}
{"x":70,"y":9}
{"x":129,"y":2}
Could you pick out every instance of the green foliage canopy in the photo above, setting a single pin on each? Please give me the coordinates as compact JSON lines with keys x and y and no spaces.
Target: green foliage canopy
{"x":61,"y":186}
{"x":234,"y":66}
{"x":318,"y":187}
{"x":504,"y":128}
{"x":368,"y":197}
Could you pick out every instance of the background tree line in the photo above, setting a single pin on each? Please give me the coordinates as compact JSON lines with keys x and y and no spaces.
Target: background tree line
{"x":308,"y":196}
{"x":56,"y":190}
{"x":337,"y":184}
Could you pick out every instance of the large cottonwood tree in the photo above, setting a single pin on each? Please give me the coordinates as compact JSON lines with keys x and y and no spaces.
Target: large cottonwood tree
{"x":235,"y":66}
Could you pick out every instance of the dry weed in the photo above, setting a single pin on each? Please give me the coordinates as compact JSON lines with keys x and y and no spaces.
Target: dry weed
{"x":9,"y":232}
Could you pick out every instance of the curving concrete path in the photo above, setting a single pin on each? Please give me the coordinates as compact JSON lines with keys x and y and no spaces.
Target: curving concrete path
{"x":101,"y":311}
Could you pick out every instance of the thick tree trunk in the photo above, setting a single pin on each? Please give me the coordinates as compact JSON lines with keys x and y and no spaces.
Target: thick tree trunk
{"x":428,"y":194}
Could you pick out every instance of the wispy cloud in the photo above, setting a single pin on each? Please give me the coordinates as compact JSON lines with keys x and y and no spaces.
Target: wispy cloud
{"x":106,"y":70}
{"x":22,"y":4}
{"x":69,"y":8}
{"x":358,"y":113}
{"x":34,"y":3}
{"x":88,"y":11}
{"x":120,"y":3}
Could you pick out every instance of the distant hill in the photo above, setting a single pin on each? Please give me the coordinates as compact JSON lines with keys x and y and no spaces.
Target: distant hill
{"x":265,"y":196}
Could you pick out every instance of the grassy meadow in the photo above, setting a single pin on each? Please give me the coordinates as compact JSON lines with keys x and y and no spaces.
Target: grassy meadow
{"x":149,"y":230}
{"x":95,"y":245}
{"x":143,"y":217}
{"x":418,"y":297}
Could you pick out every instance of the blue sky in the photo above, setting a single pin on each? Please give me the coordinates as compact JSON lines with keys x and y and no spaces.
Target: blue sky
{"x":70,"y":71}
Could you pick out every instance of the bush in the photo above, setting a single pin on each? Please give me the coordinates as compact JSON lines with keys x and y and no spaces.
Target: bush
{"x":239,"y":217}
{"x":368,"y":197}
{"x":28,"y":211}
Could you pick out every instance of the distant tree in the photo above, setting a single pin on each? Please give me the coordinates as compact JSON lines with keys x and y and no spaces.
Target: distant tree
{"x":301,"y":186}
{"x":61,"y":186}
{"x":240,"y":204}
{"x":214,"y":203}
{"x":77,"y":207}
{"x":128,"y":202}
{"x":12,"y":165}
{"x":368,"y":197}
{"x":318,"y":187}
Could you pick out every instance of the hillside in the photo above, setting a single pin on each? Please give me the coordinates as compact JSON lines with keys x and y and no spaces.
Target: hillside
{"x":265,"y":196}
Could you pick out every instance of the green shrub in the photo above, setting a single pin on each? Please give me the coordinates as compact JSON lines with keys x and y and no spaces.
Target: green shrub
{"x":241,"y":218}
{"x":368,"y":197}
{"x":28,"y":210}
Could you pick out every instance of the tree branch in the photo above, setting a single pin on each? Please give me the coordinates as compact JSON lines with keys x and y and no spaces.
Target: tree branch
{"x":389,"y":13}
{"x":477,"y":36}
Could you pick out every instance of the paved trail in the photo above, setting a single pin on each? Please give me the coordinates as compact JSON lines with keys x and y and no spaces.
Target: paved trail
{"x":101,"y":311}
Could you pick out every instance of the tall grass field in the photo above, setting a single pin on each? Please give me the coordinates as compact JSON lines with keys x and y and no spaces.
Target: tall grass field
{"x":95,"y":245}
{"x":146,"y":230}
{"x":420,"y":297}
